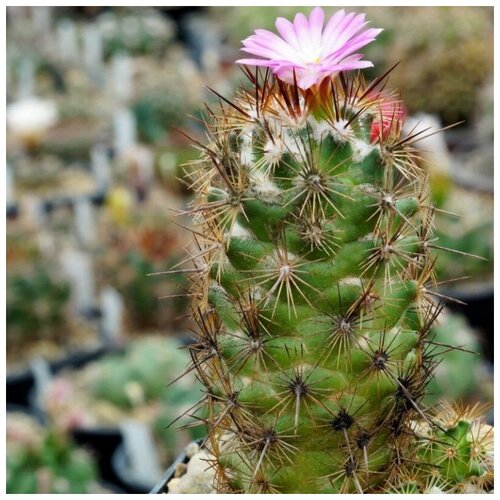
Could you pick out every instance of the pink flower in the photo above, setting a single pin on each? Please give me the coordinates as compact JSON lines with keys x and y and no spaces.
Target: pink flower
{"x":389,"y":118}
{"x":310,"y":49}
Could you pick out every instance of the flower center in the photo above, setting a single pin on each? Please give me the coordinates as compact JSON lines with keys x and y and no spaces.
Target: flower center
{"x":311,"y":55}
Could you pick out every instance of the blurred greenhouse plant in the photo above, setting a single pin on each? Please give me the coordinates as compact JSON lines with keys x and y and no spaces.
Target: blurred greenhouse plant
{"x":36,"y":306}
{"x":448,"y":382}
{"x":131,"y":385}
{"x":39,"y":317}
{"x":44,"y":460}
{"x":139,"y":243}
{"x":166,"y":94}
{"x":446,"y":56}
{"x":137,"y":31}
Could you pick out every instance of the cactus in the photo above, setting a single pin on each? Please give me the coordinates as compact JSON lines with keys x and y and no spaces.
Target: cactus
{"x":313,"y":283}
{"x":46,"y":461}
{"x":165,"y":95}
{"x":37,"y":306}
{"x":138,"y":376}
{"x":130,"y":385}
{"x":469,"y":234}
{"x":133,"y":386}
{"x":137,"y":246}
{"x":138,"y":31}
{"x":455,"y":457}
{"x":448,"y":383}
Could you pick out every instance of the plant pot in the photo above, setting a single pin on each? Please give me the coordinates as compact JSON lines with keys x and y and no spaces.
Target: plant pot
{"x":162,"y":485}
{"x":15,"y":408}
{"x":96,"y":442}
{"x":102,"y":443}
{"x":48,"y":205}
{"x":20,"y":384}
{"x":120,"y":465}
{"x":12,"y":211}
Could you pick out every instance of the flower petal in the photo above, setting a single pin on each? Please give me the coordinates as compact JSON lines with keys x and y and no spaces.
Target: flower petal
{"x":308,"y":50}
{"x":256,"y":62}
{"x":287,"y":31}
{"x":273,"y":40}
{"x":301,"y":26}
{"x":354,"y":44}
{"x":316,"y":20}
{"x":258,"y":47}
{"x":345,"y":29}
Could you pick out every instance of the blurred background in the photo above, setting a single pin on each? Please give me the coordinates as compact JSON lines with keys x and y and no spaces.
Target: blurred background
{"x":95,"y":193}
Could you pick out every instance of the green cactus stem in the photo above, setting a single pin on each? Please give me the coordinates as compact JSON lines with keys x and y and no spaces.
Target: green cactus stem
{"x":314,"y":292}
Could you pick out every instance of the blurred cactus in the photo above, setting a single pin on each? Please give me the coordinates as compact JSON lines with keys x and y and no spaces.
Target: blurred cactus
{"x":165,"y":95}
{"x":131,"y":273}
{"x":37,"y":302}
{"x":139,"y":376}
{"x":131,"y":385}
{"x":141,"y":31}
{"x":40,"y":319}
{"x":449,"y":382}
{"x":446,"y":54}
{"x":57,"y":467}
{"x":139,"y":244}
{"x":50,"y":463}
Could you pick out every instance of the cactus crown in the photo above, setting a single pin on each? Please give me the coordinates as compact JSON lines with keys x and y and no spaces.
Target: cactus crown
{"x":313,"y":295}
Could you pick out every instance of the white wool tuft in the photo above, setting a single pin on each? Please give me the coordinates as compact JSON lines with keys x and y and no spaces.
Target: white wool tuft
{"x":360,"y":150}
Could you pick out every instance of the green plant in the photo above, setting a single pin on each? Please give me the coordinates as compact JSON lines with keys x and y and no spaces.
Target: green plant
{"x":133,"y":275}
{"x":37,"y":302}
{"x":465,"y":225}
{"x":52,"y":465}
{"x":138,"y":247}
{"x":139,"y":375}
{"x":156,"y":111}
{"x":314,"y":297}
{"x":131,"y":385}
{"x":445,"y":59}
{"x":141,"y":31}
{"x":449,"y":382}
{"x":165,"y":95}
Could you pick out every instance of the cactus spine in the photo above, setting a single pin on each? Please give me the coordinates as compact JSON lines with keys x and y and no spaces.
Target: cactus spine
{"x":313,"y":296}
